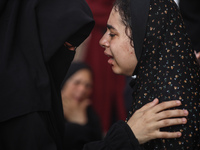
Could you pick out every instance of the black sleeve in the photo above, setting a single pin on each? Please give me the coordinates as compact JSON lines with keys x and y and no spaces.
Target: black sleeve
{"x":119,"y":137}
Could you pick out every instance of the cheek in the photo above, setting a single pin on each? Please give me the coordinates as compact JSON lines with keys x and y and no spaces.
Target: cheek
{"x":127,"y":61}
{"x":117,"y":49}
{"x":69,"y":91}
{"x":123,"y":52}
{"x":132,"y":61}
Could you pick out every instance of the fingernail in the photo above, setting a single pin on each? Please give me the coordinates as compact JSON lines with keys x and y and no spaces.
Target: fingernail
{"x":178,"y":102}
{"x":184,"y":120}
{"x":155,"y":100}
{"x":186,"y":112}
{"x":179,"y":134}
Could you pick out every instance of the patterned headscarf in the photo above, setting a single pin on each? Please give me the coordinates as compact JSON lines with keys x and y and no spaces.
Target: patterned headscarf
{"x":167,"y":70}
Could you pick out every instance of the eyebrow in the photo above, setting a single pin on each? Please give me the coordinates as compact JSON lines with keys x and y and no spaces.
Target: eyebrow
{"x":111,"y":27}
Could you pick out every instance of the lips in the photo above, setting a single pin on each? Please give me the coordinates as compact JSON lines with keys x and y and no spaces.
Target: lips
{"x":110,"y":56}
{"x":111,"y":59}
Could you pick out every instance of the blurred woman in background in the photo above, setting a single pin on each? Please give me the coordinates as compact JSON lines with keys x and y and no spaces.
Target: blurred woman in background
{"x":82,"y":123}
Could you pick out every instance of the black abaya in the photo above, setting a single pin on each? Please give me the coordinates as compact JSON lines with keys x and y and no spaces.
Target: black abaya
{"x":32,"y":34}
{"x":33,"y":59}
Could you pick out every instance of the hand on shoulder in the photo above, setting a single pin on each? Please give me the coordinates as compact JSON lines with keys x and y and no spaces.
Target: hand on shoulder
{"x":147,"y":121}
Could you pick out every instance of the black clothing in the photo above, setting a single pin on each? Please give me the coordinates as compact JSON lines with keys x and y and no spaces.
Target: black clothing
{"x":191,"y":15}
{"x":62,"y":59}
{"x":119,"y":137}
{"x":32,"y":32}
{"x":138,"y":23}
{"x":33,"y":63}
{"x":76,"y":136}
{"x":33,"y":59}
{"x":167,"y":70}
{"x":28,"y":129}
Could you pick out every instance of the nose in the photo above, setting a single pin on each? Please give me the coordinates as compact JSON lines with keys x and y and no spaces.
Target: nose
{"x":104,"y":41}
{"x":81,"y":88}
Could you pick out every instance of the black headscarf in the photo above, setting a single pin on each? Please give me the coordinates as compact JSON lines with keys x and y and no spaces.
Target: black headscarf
{"x":33,"y":59}
{"x":75,"y":66}
{"x":191,"y":16}
{"x":138,"y":23}
{"x":167,"y":70}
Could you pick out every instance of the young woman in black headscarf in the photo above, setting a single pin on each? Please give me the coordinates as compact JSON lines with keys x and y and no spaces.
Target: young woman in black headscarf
{"x":33,"y":63}
{"x":161,"y":61}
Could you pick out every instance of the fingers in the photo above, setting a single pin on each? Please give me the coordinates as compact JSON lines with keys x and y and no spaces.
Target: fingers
{"x":168,"y":135}
{"x":149,"y":105}
{"x":171,"y":114}
{"x":171,"y":122}
{"x":166,"y":105}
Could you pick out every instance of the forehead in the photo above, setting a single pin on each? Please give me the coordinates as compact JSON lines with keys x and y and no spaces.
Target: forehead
{"x":115,"y":18}
{"x":81,"y":74}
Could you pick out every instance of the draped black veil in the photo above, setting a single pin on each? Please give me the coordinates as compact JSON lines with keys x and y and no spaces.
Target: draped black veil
{"x":33,"y":59}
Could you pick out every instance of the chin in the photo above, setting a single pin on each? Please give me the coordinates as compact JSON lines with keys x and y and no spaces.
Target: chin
{"x":120,"y":72}
{"x":117,"y":70}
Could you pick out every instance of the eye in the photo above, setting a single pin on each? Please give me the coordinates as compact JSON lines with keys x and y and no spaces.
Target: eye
{"x":112,"y":35}
{"x":76,"y":82}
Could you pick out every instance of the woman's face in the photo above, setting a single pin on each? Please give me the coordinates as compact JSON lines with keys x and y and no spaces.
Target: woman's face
{"x":78,"y":86}
{"x":118,"y":47}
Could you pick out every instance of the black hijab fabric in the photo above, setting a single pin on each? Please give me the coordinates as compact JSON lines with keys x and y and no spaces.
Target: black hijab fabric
{"x":167,"y":70}
{"x":75,"y":66}
{"x":138,"y":23}
{"x":191,"y":16}
{"x":33,"y":59}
